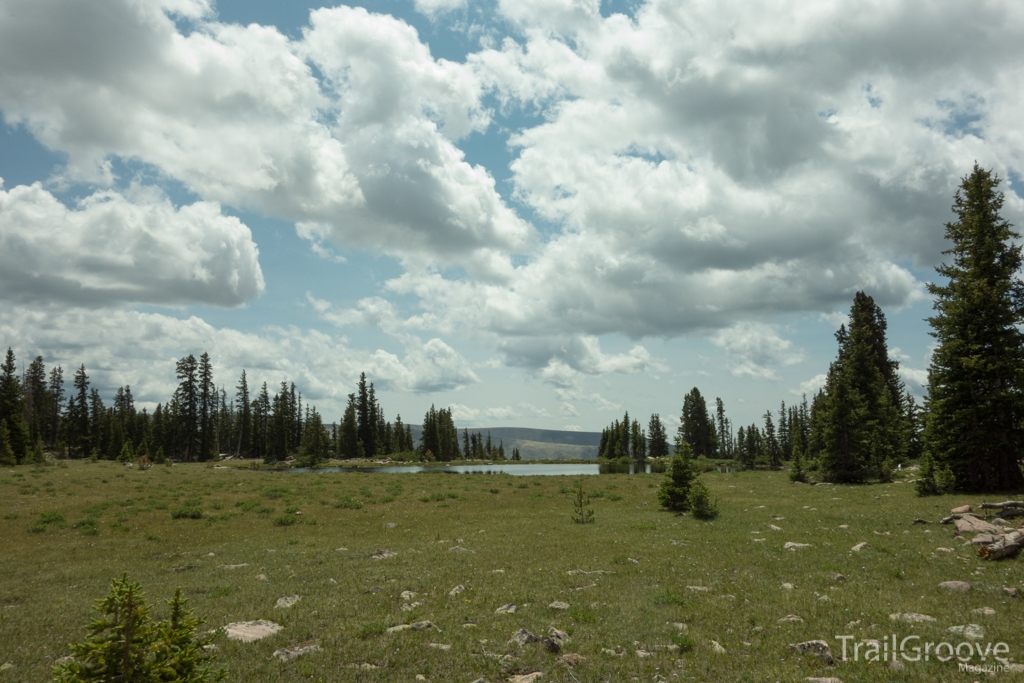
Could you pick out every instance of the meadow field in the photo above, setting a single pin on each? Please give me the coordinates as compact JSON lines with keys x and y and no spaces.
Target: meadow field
{"x":650,"y":595}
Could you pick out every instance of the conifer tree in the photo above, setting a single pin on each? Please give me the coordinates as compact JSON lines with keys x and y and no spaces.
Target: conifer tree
{"x":243,"y":440}
{"x":975,"y":422}
{"x":674,"y":492}
{"x":696,"y":427}
{"x":56,"y":405}
{"x":7,"y":458}
{"x":657,"y":439}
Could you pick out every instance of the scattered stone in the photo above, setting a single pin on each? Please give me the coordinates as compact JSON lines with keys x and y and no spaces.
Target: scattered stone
{"x":759,"y":540}
{"x":818,"y":648}
{"x":211,"y":554}
{"x":717,"y":648}
{"x":787,"y":586}
{"x":261,"y":577}
{"x":523,"y":637}
{"x":6,"y":666}
{"x":699,"y":589}
{"x":382,"y":554}
{"x":455,"y":591}
{"x":962,"y":509}
{"x":390,"y":525}
{"x":296,"y":650}
{"x":955,"y":585}
{"x":365,"y":666}
{"x":836,"y":576}
{"x":644,"y":653}
{"x":415,"y":626}
{"x":970,"y":631}
{"x":844,"y":526}
{"x":441,"y":646}
{"x":826,"y":679}
{"x":945,"y":550}
{"x":527,"y":678}
{"x":969,"y":524}
{"x":185,"y":567}
{"x":760,"y":629}
{"x":897,"y":665}
{"x":860,"y":546}
{"x":583,"y":571}
{"x":617,"y":652}
{"x":460,"y":549}
{"x":410,"y":606}
{"x":509,"y":608}
{"x":572,"y":659}
{"x":920,"y":521}
{"x":987,"y":611}
{"x":985,"y":539}
{"x":469,"y":624}
{"x":910,"y":617}
{"x":824,"y":598}
{"x":234,"y":566}
{"x":558,"y":604}
{"x":774,"y":528}
{"x":420,"y":677}
{"x":1012,"y":592}
{"x":790,"y":617}
{"x":287,"y":601}
{"x":408,"y":595}
{"x":340,"y":550}
{"x":251,"y":631}
{"x":502,"y":571}
{"x":790,"y":545}
{"x":561,"y":636}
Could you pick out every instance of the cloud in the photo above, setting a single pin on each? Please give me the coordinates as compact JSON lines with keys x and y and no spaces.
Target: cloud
{"x":433,"y":8}
{"x":112,"y":249}
{"x":359,"y":151}
{"x":811,"y":386}
{"x":757,"y":348}
{"x":476,"y":416}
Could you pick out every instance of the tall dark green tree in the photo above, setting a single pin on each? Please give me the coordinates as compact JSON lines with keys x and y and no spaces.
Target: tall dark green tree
{"x":207,"y":409}
{"x":187,"y":397}
{"x":12,"y":408}
{"x":243,"y":423}
{"x":975,"y":422}
{"x":56,"y":392}
{"x":696,"y":427}
{"x":862,"y":430}
{"x":349,"y":444}
{"x":657,"y":438}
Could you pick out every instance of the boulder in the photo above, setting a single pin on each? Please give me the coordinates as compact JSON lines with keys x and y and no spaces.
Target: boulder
{"x":523,"y":637}
{"x":969,"y":524}
{"x":961,"y":510}
{"x":572,"y":659}
{"x":790,"y":545}
{"x":860,"y":546}
{"x":508,"y":608}
{"x":955,"y":585}
{"x":251,"y":631}
{"x":969,"y":631}
{"x":910,"y":617}
{"x":558,"y":604}
{"x":287,"y":601}
{"x":818,"y":648}
{"x":527,"y":678}
{"x":296,"y":650}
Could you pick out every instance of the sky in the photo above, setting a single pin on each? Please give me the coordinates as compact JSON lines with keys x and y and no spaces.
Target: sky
{"x":539,"y":214}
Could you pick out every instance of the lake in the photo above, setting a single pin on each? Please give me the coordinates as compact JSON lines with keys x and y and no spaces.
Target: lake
{"x":523,"y":470}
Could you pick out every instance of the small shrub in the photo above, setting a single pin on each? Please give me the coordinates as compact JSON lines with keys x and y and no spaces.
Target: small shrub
{"x":51,"y":519}
{"x":701,"y":502}
{"x":348,"y":503}
{"x":88,"y":527}
{"x":372,"y":630}
{"x":187,"y":512}
{"x":286,"y":520}
{"x":674,"y":493}
{"x":582,"y":514}
{"x":668,"y":597}
{"x":495,"y":490}
{"x":684,"y":643}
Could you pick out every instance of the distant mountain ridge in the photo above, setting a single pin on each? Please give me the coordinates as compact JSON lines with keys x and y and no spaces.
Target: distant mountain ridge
{"x":536,"y":444}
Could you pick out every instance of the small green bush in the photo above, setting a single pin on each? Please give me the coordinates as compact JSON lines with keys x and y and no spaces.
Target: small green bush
{"x":701,"y":502}
{"x":187,"y":512}
{"x":286,"y":520}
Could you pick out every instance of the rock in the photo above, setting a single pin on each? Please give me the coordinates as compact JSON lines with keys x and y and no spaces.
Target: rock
{"x":410,"y":606}
{"x":185,"y":567}
{"x":295,"y":650}
{"x":699,"y":589}
{"x":234,"y":566}
{"x":407,"y":595}
{"x":910,"y":617}
{"x":644,"y":653}
{"x":423,"y":626}
{"x":945,"y":550}
{"x":455,"y":591}
{"x":824,"y":598}
{"x":987,"y":611}
{"x":398,"y":628}
{"x":420,"y":677}
{"x":441,"y":646}
{"x":761,"y":629}
{"x":509,"y":608}
{"x":962,"y":509}
{"x":920,"y":521}
{"x":759,"y":540}
{"x":382,"y":554}
{"x":550,"y":644}
{"x":790,"y":617}
{"x":523,"y":637}
{"x":527,"y":678}
{"x":617,"y":652}
{"x":261,"y":577}
{"x":340,"y":550}
{"x":287,"y":601}
{"x":969,"y":524}
{"x":985,"y":539}
{"x":844,"y":526}
{"x":955,"y":585}
{"x":787,"y":586}
{"x":1012,"y":592}
{"x":251,"y":631}
{"x":860,"y":546}
{"x":717,"y":648}
{"x":818,"y":648}
{"x":572,"y":659}
{"x":561,"y":636}
{"x":390,"y":525}
{"x":774,"y":528}
{"x":970,"y":631}
{"x":790,"y":545}
{"x":459,"y":549}
{"x":6,"y":666}
{"x":836,"y":576}
{"x":558,"y":604}
{"x":826,"y":679}
{"x":897,"y":665}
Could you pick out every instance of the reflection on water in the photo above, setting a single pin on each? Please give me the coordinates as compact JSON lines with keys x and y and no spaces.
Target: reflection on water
{"x":525,"y":470}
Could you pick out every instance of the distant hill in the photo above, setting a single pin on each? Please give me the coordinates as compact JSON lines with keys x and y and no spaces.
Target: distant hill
{"x":537,"y":444}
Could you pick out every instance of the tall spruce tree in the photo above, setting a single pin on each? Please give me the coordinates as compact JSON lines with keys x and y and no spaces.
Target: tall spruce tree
{"x":696,"y":427}
{"x":657,"y":438}
{"x":12,"y":407}
{"x":975,"y":421}
{"x":863,"y":432}
{"x":187,"y":397}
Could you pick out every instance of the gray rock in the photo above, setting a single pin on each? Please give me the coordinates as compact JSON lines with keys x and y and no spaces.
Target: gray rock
{"x":910,"y":617}
{"x":955,"y":585}
{"x":508,"y":608}
{"x":969,"y":631}
{"x":295,"y":650}
{"x":818,"y":648}
{"x":790,"y":617}
{"x":558,"y":604}
{"x":287,"y":601}
{"x":860,"y":546}
{"x":523,"y":637}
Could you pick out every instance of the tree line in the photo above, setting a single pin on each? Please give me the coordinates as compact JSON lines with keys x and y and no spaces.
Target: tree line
{"x":864,"y":423}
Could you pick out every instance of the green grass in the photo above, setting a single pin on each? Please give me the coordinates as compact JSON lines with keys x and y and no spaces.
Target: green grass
{"x":650,"y":560}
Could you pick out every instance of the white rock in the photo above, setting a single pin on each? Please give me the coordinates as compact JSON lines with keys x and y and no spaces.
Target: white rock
{"x":558,"y":604}
{"x":970,"y":631}
{"x":287,"y":601}
{"x":860,"y":546}
{"x":251,"y":631}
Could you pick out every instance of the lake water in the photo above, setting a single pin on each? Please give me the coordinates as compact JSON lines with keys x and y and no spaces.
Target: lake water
{"x":524,"y":470}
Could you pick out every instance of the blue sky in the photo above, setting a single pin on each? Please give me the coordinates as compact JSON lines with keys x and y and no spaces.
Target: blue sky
{"x":537,"y":213}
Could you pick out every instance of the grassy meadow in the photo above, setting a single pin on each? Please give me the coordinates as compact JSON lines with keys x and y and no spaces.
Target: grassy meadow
{"x":233,"y":539}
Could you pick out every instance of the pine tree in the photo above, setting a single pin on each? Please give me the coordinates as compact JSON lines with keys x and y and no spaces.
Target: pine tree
{"x":207,"y":409}
{"x":243,"y":440}
{"x":975,"y":423}
{"x":674,"y":492}
{"x":657,"y":439}
{"x":725,"y":444}
{"x":7,"y":458}
{"x":696,"y":427}
{"x":12,"y":407}
{"x":349,"y":445}
{"x":56,"y":393}
{"x":187,"y":397}
{"x":771,"y":444}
